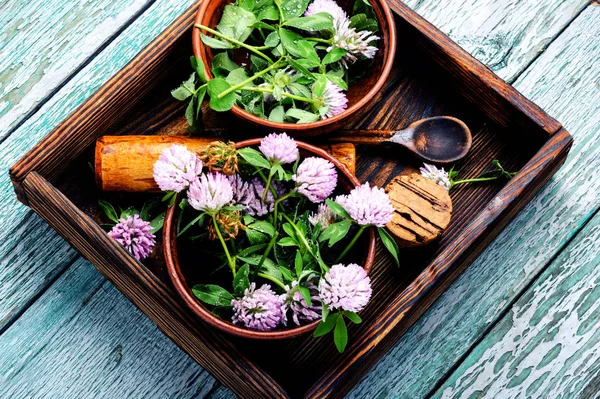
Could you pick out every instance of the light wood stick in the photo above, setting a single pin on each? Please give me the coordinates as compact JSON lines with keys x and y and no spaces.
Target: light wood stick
{"x":125,"y":163}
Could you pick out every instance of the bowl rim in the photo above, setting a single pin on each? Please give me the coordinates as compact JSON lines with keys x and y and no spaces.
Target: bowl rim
{"x":388,"y":60}
{"x":178,"y":280}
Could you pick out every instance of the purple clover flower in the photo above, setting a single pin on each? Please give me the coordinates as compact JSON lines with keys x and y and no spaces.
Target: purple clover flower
{"x":259,"y":309}
{"x":279,"y":148}
{"x":295,"y":303}
{"x":368,"y":205}
{"x":210,"y":192}
{"x":315,"y":178}
{"x":176,"y":168}
{"x":345,"y":287}
{"x":335,"y":100}
{"x":249,"y":194}
{"x":134,"y":234}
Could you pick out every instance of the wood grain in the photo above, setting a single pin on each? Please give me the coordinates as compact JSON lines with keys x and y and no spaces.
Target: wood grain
{"x":392,"y":309}
{"x":31,"y":254}
{"x":45,"y":43}
{"x":83,"y":326}
{"x":422,"y":210}
{"x":548,"y":343}
{"x":563,"y":81}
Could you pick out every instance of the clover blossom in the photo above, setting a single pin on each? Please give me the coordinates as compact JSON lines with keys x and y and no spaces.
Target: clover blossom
{"x":134,"y":234}
{"x":345,"y":287}
{"x":315,"y":178}
{"x":259,"y":309}
{"x":176,"y":168}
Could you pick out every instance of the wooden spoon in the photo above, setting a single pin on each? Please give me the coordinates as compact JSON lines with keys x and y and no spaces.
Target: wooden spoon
{"x":441,"y":139}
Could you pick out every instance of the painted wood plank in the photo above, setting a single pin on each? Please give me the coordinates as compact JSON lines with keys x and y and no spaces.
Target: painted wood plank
{"x":84,"y":339}
{"x":55,"y":113}
{"x":504,"y":35}
{"x":564,"y":81}
{"x":43,"y":43}
{"x":32,"y":255}
{"x":548,"y":345}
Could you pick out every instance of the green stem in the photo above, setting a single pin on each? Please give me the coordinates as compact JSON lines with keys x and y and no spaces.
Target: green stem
{"x":277,"y":202}
{"x":301,"y":236}
{"x":234,"y":41}
{"x":281,"y":17}
{"x":475,"y":180}
{"x":268,"y":184}
{"x":351,"y":244}
{"x":229,"y":259}
{"x":262,"y":175}
{"x":249,"y":80}
{"x":267,"y":251}
{"x":273,"y":279}
{"x":318,"y":39}
{"x":284,"y":94}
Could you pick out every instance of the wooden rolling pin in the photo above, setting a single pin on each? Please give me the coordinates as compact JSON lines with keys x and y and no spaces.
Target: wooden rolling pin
{"x":125,"y":163}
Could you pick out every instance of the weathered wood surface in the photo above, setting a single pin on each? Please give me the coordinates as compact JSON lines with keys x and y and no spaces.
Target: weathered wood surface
{"x":564,"y":81}
{"x":28,"y":268}
{"x":44,"y":43}
{"x":82,"y":327}
{"x":548,"y":344}
{"x":128,"y":44}
{"x":504,"y":35}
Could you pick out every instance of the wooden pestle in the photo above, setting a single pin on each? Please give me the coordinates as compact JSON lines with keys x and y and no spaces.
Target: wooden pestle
{"x":125,"y":163}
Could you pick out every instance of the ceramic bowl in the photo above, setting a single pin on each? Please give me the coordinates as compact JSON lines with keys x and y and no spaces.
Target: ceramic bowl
{"x":361,"y":94}
{"x":177,"y":275}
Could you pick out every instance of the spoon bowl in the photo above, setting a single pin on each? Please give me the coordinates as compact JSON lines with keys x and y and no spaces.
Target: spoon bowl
{"x":441,"y":139}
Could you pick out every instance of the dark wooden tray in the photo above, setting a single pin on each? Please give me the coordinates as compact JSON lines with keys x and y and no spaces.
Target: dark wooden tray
{"x":432,"y":76}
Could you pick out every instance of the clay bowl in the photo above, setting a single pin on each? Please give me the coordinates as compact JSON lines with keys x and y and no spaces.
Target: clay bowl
{"x":361,"y":94}
{"x":176,"y":272}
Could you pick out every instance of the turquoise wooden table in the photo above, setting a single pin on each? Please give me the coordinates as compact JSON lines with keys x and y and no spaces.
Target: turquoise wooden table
{"x":522,"y":321}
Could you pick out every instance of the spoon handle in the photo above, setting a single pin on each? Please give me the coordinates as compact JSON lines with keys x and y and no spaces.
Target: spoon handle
{"x":361,"y":136}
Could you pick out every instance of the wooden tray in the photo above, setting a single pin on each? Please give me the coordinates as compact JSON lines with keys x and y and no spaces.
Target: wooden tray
{"x":432,"y":76}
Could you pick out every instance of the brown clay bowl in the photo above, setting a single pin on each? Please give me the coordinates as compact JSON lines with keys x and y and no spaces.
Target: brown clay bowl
{"x":178,"y":278}
{"x":361,"y":93}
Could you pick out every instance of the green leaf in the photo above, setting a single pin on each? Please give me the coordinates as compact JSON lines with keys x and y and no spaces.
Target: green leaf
{"x":131,"y":211}
{"x":269,"y":13}
{"x":157,"y":223}
{"x":308,"y":51}
{"x":326,"y":326}
{"x":222,"y":65}
{"x":300,"y":90}
{"x":353,"y":317}
{"x":277,"y":114}
{"x":148,"y":207}
{"x":198,"y":66}
{"x":298,"y":264}
{"x":287,"y":242}
{"x":272,"y":40}
{"x":361,"y":22}
{"x":306,"y":294}
{"x":285,"y":272}
{"x":236,"y":22}
{"x":337,"y":209}
{"x":254,"y":157}
{"x":336,"y":232}
{"x":250,"y":250}
{"x":263,"y":226}
{"x":312,"y":23}
{"x":337,"y":80}
{"x":109,"y":210}
{"x":237,"y":76}
{"x":293,"y":8}
{"x":215,"y":43}
{"x":301,"y":116}
{"x":215,"y":87}
{"x":324,"y":312}
{"x":241,"y":281}
{"x":302,"y":69}
{"x":290,"y":40}
{"x":340,"y":334}
{"x":199,"y":219}
{"x":190,"y":112}
{"x":319,"y":86}
{"x":334,"y":55}
{"x":181,"y":93}
{"x":389,"y":243}
{"x":212,"y":294}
